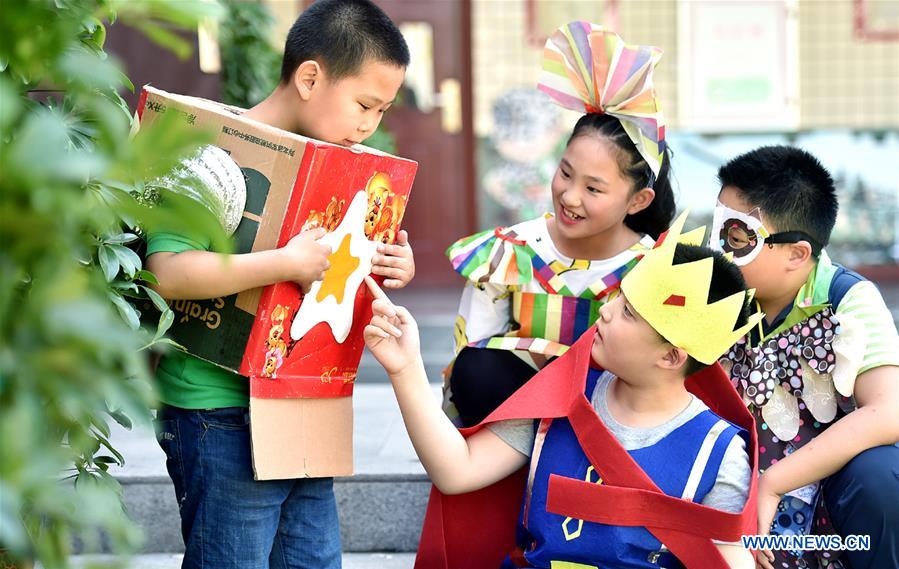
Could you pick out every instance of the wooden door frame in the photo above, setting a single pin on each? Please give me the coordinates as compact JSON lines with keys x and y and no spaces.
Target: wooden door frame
{"x":468,"y":138}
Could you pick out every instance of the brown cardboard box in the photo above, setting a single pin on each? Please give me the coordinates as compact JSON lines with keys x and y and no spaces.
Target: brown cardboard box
{"x":301,"y":409}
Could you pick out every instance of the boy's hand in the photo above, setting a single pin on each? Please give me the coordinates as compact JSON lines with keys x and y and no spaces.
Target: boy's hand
{"x":305,"y":259}
{"x":392,"y":335}
{"x":767,"y":501}
{"x":395,"y":262}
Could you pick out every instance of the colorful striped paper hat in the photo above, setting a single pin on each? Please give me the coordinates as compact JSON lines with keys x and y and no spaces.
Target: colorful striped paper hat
{"x":588,"y":68}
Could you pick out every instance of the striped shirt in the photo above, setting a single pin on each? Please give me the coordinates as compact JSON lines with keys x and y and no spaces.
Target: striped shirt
{"x":864,"y":304}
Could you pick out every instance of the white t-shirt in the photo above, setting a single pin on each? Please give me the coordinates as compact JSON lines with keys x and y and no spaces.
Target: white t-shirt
{"x":485,"y":308}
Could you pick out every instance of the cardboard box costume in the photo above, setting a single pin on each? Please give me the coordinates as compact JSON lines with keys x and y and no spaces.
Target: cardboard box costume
{"x":301,"y":353}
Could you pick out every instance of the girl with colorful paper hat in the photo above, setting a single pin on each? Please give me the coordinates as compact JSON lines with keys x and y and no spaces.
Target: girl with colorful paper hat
{"x":534,"y":287}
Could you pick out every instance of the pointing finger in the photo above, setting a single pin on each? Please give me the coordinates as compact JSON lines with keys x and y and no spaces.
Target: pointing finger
{"x":375,"y":289}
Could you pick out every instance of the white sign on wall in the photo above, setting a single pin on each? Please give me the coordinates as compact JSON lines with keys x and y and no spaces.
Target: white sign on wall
{"x":738,"y":65}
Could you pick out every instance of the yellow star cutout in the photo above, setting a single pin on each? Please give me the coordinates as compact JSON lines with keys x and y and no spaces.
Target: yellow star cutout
{"x":332,"y":299}
{"x":342,"y":266}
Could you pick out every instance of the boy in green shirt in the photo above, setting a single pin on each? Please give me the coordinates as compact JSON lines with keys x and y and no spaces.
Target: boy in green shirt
{"x":344,"y":61}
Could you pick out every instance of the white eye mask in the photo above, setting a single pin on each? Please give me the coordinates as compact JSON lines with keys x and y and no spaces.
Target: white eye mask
{"x":744,"y":234}
{"x":738,"y":233}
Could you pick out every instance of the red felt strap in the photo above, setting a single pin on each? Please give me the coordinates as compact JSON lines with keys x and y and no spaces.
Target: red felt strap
{"x":614,"y":505}
{"x":618,"y":468}
{"x":551,"y":392}
{"x":715,"y":389}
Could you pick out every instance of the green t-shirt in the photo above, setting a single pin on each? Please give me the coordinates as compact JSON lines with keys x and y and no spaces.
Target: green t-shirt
{"x":184,"y":380}
{"x":862,"y":306}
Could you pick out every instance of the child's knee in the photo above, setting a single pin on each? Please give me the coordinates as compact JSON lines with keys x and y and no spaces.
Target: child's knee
{"x":869,"y":482}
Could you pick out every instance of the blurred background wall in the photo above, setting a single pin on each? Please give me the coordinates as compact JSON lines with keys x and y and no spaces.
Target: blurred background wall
{"x":735,"y":74}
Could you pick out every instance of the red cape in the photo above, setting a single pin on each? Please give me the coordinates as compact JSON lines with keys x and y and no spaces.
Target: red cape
{"x":477,"y":530}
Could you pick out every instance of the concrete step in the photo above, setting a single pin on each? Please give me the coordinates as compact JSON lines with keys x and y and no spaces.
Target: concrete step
{"x":381,"y":507}
{"x":378,"y":512}
{"x":173,"y":561}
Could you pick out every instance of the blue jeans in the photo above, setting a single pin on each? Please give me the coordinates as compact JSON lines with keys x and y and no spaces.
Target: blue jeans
{"x":228,"y":519}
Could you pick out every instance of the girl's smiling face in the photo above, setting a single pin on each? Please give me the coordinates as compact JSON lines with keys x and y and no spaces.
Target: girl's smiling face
{"x":591,"y":195}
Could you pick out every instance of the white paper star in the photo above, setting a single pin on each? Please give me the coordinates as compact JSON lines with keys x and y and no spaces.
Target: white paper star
{"x":331,"y":299}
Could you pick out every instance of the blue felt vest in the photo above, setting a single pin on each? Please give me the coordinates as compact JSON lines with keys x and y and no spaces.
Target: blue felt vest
{"x":684,"y":463}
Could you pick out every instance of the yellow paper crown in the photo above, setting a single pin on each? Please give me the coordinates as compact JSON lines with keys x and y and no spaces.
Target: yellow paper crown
{"x":674,"y":298}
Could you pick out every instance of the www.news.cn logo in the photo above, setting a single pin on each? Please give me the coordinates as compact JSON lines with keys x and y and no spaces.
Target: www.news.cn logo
{"x":807,"y":542}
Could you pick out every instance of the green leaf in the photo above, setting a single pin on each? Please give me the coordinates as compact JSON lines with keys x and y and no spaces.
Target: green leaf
{"x":166,"y":319}
{"x":128,"y":313}
{"x":127,"y":258}
{"x":159,"y":302}
{"x":120,"y":238}
{"x":108,"y":262}
{"x":167,"y":315}
{"x":43,"y":151}
{"x":181,"y":13}
{"x":146,"y":276}
{"x":10,"y":103}
{"x":125,"y":287}
{"x":121,"y":418}
{"x":165,"y":342}
{"x":101,"y":426}
{"x":165,"y":38}
{"x":108,"y":445}
{"x":84,"y":69}
{"x":15,"y":536}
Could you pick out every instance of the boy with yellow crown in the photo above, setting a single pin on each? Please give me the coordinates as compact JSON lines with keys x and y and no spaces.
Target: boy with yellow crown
{"x":640,"y":455}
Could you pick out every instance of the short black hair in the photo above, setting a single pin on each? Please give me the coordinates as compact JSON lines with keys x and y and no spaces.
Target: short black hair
{"x":726,"y":280}
{"x":341,"y":35}
{"x":657,"y":216}
{"x":791,"y":187}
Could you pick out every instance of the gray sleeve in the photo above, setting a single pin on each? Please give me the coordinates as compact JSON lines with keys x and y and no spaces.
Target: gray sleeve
{"x":732,"y":484}
{"x":517,"y":433}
